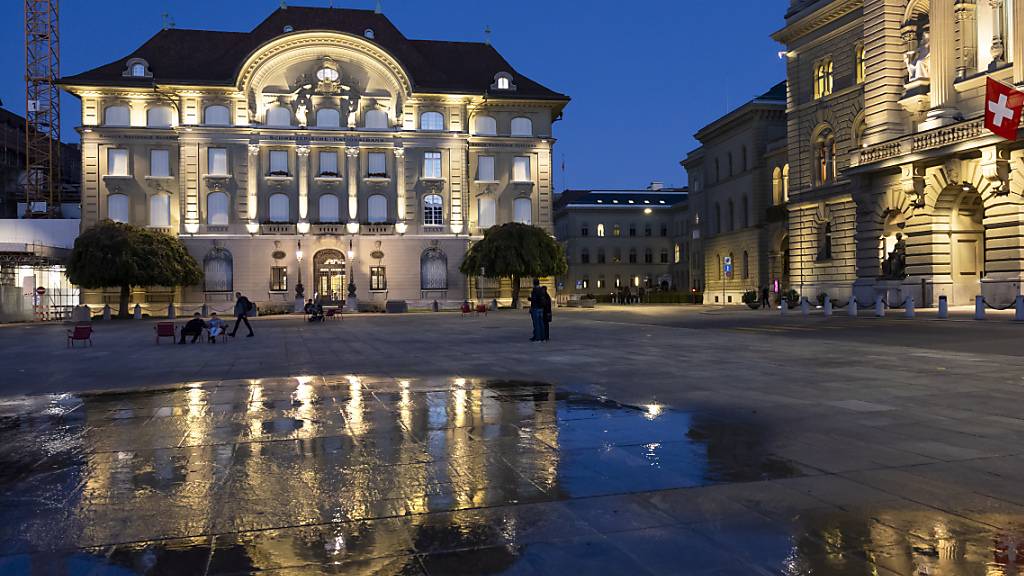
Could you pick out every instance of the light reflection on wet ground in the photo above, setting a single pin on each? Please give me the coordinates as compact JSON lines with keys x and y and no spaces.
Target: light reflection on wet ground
{"x":358,"y":475}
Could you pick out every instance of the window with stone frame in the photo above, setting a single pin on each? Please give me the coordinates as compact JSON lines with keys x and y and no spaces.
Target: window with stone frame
{"x":432,"y":165}
{"x":648,"y":256}
{"x":664,"y":255}
{"x":376,"y":165}
{"x":825,"y":155}
{"x":584,"y":256}
{"x":823,"y":78}
{"x":378,"y":278}
{"x":433,"y":210}
{"x":600,"y":256}
{"x":825,"y":241}
{"x":632,"y":255}
{"x":278,"y":278}
{"x":859,"y":63}
{"x":632,"y":230}
{"x":585,"y":229}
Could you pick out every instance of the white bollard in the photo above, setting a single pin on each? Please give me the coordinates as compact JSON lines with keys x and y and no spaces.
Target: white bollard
{"x":1018,"y":305}
{"x":205,"y":311}
{"x":138,"y":312}
{"x":879,"y":306}
{"x":851,"y":309}
{"x":943,"y":307}
{"x":805,"y":306}
{"x":979,"y":307}
{"x":828,"y":307}
{"x":784,"y":305}
{"x":106,"y":312}
{"x":170,"y":311}
{"x":908,"y":308}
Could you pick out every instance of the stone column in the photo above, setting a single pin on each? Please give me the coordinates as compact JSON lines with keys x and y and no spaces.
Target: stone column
{"x":941,"y":63}
{"x":400,"y":182}
{"x":998,"y":48}
{"x":252,"y":183}
{"x":302,"y":159}
{"x":1018,"y":41}
{"x":352,"y":173}
{"x":965,"y":12}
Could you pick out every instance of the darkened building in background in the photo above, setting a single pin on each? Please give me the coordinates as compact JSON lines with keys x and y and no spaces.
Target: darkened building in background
{"x":12,"y":169}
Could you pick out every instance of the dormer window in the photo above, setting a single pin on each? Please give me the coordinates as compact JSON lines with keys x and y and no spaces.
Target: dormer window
{"x":137,"y":68}
{"x":503,"y":81}
{"x":368,"y":33}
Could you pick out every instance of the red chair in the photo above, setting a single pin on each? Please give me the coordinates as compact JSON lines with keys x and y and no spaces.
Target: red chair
{"x":81,"y":332}
{"x":466,"y":309}
{"x":332,"y":313}
{"x":481,"y":309}
{"x":165,"y":330}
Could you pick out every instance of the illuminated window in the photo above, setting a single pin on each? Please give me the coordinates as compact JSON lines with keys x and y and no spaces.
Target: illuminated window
{"x":431,"y":121}
{"x":117,"y":207}
{"x":433,"y":210}
{"x":777,"y":186}
{"x":858,"y":131}
{"x":823,"y":78}
{"x":487,"y":208}
{"x":117,"y":162}
{"x":503,"y":83}
{"x":159,"y":117}
{"x":785,"y":183}
{"x":116,"y":116}
{"x":677,"y":253}
{"x":522,"y":209}
{"x":378,"y":278}
{"x":217,"y":161}
{"x":600,"y":281}
{"x":825,"y":152}
{"x":485,"y":126}
{"x":859,"y":63}
{"x":327,"y":73}
{"x":138,"y":70}
{"x":616,"y":230}
{"x":600,"y":230}
{"x":432,"y":165}
{"x":216,"y":115}
{"x":521,"y":169}
{"x":278,"y":278}
{"x":522,"y":127}
{"x":217,"y":209}
{"x":160,"y":210}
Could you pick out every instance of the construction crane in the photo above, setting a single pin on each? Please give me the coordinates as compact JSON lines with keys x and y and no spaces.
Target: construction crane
{"x":42,"y":109}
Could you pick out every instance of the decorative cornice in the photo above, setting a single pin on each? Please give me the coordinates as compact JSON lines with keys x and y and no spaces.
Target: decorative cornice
{"x":825,"y":15}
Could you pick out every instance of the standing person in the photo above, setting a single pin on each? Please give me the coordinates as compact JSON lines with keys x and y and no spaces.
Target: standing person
{"x":242,"y":308}
{"x":193,"y":328}
{"x":764,"y":297}
{"x":537,"y":311}
{"x":547,"y":314}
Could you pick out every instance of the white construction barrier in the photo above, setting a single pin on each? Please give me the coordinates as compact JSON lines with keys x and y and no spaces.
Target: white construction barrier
{"x":879,"y":306}
{"x":908,"y":307}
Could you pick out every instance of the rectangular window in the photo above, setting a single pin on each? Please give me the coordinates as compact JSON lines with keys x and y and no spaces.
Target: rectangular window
{"x":487,"y":208}
{"x":664,"y":256}
{"x":521,"y":169}
{"x":585,"y":230}
{"x":632,"y":230}
{"x":159,"y":163}
{"x":432,"y":165}
{"x":218,"y":161}
{"x":378,"y":278}
{"x":278,"y":163}
{"x":329,"y":164}
{"x":664,"y":229}
{"x":117,"y":162}
{"x":279,"y":279}
{"x":376,"y":165}
{"x":600,"y":282}
{"x":485,"y":169}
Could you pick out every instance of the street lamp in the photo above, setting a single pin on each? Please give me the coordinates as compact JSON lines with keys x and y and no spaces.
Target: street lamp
{"x":298,"y":258}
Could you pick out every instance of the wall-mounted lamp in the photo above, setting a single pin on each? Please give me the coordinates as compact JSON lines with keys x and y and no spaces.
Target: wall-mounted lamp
{"x":252,"y":227}
{"x":351,"y":253}
{"x":302,"y":227}
{"x":401,"y":228}
{"x":191,"y":227}
{"x":647,"y":210}
{"x":352,"y":227}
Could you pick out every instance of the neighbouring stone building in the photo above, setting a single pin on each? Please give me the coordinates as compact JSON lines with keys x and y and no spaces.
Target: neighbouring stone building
{"x":322,"y":147}
{"x":12,"y":170}
{"x":896,"y":188}
{"x":736,"y":208}
{"x":620,"y":239}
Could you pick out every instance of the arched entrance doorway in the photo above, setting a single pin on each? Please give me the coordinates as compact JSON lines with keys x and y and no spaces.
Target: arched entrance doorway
{"x":967,"y":245}
{"x":329,"y":275}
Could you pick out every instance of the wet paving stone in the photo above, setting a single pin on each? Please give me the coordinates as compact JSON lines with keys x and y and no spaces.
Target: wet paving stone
{"x":349,"y":474}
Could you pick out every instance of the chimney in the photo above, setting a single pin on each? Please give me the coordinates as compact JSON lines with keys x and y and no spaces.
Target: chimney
{"x":656,"y":185}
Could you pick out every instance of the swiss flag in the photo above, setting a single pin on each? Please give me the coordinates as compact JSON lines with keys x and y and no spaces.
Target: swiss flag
{"x":1002,"y":109}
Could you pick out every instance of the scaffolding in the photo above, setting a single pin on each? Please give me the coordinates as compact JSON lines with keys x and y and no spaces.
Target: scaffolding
{"x":42,"y":110}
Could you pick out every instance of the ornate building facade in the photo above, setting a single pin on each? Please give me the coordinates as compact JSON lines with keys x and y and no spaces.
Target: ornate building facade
{"x":896,"y":187}
{"x":323,"y":148}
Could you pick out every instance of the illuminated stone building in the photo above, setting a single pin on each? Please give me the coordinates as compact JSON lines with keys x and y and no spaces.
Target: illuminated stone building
{"x":321,"y":147}
{"x":737,"y":200}
{"x":896,"y":188}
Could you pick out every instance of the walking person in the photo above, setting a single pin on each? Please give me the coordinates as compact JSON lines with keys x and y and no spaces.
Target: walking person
{"x":764,"y":297}
{"x":547,"y":314}
{"x":537,"y":311}
{"x":242,"y":308}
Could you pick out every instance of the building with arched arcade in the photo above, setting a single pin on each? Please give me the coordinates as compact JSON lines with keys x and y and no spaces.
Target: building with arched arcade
{"x":322,"y":147}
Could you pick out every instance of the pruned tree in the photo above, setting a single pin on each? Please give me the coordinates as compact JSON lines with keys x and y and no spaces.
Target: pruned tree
{"x":112,"y":254}
{"x":515,"y":251}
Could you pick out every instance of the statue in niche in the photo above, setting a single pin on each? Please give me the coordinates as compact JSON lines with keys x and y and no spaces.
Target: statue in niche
{"x":917,"y":58}
{"x":303,"y":102}
{"x":894,"y":267}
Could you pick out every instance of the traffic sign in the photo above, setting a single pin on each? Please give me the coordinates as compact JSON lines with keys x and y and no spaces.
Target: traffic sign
{"x":40,"y":290}
{"x":727,"y":265}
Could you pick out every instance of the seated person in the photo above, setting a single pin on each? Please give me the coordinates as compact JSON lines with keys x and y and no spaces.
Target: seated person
{"x":316,"y":312}
{"x":309,"y":308}
{"x":193,"y":328}
{"x":217,"y":326}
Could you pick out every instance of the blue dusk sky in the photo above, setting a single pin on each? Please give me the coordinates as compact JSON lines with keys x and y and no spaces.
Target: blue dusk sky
{"x":643,"y":76}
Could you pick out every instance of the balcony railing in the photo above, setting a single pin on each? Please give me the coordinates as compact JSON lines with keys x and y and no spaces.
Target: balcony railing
{"x":920,"y":142}
{"x":277,"y":228}
{"x":377,"y":229}
{"x":332,"y":229}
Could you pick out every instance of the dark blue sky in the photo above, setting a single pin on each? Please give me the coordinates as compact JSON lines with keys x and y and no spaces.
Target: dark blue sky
{"x":643,"y":76}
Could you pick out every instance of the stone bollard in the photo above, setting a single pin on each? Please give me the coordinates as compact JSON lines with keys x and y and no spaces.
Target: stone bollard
{"x":435,"y":306}
{"x":979,"y":307}
{"x":106,"y":312}
{"x":170,"y":311}
{"x":828,"y":307}
{"x":1018,"y":306}
{"x":138,"y":312}
{"x":205,"y":310}
{"x":851,"y":310}
{"x":943,"y":307}
{"x":494,"y":303}
{"x":784,"y":306}
{"x":908,"y":307}
{"x":879,"y":307}
{"x":805,"y":306}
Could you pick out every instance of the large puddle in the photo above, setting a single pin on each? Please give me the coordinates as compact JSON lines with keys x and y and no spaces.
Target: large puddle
{"x":382,"y":476}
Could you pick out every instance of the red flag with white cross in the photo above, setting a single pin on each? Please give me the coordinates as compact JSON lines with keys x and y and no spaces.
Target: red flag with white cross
{"x":1003,"y":106}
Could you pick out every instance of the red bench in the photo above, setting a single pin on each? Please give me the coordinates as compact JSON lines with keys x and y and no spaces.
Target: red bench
{"x":81,"y":332}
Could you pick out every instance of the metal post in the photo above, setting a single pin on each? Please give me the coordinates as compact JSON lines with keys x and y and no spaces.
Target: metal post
{"x":979,"y":307}
{"x":943,"y":307}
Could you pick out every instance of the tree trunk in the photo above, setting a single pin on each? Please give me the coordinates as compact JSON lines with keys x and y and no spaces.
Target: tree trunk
{"x":515,"y":292}
{"x":122,"y":309}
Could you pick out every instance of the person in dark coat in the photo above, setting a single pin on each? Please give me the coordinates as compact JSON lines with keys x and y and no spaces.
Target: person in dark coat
{"x":537,"y":311}
{"x":242,"y":308}
{"x":547,"y":314}
{"x":193,"y":328}
{"x":764,"y":297}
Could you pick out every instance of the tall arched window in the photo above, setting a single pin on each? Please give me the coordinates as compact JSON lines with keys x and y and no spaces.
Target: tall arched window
{"x":825,"y":241}
{"x":777,"y":186}
{"x":218,"y":271}
{"x":160,"y":210}
{"x":279,"y":116}
{"x":433,"y":270}
{"x":859,"y":126}
{"x":376,"y":119}
{"x":376,"y":209}
{"x":280,"y":209}
{"x":328,"y":208}
{"x":823,"y":78}
{"x":159,"y":117}
{"x":522,"y":209}
{"x":485,"y":126}
{"x":825,"y":151}
{"x":117,"y":208}
{"x":730,"y":164}
{"x":431,"y":121}
{"x":718,"y":218}
{"x":743,"y":160}
{"x":217,"y":209}
{"x":116,"y":116}
{"x":744,"y":212}
{"x":522,"y":127}
{"x":433,"y":210}
{"x":584,"y":256}
{"x":217,"y":115}
{"x":731,"y":221}
{"x":859,"y":63}
{"x":719,"y":257}
{"x":328,"y":118}
{"x":488,"y":209}
{"x":746,"y":265}
{"x":600,"y":230}
{"x":785,"y":182}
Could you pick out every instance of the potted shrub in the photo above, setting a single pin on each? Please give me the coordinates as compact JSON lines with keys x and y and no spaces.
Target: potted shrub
{"x":750,"y":298}
{"x":792,"y":298}
{"x":588,"y":301}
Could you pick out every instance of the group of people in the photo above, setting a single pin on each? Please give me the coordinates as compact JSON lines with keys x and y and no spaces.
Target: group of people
{"x":540,"y":312}
{"x":315,"y":310}
{"x":216,"y":325}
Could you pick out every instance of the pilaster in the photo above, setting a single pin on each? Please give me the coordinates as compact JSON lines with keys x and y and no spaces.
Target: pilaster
{"x":302,"y":159}
{"x":885,"y":71}
{"x":400,"y":183}
{"x":352,"y":173}
{"x":252,"y":182}
{"x":966,"y":24}
{"x":998,"y":48}
{"x":457,"y":186}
